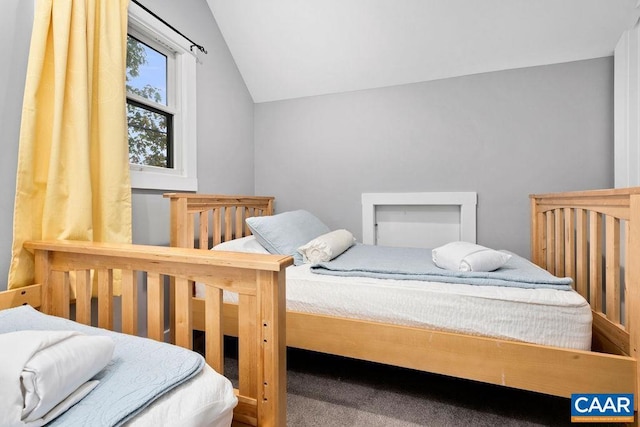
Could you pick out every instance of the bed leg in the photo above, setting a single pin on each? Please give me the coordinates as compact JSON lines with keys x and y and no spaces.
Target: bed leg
{"x":272,"y":399}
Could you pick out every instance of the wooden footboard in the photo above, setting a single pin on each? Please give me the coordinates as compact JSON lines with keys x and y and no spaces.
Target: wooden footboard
{"x":594,"y":237}
{"x":260,"y":281}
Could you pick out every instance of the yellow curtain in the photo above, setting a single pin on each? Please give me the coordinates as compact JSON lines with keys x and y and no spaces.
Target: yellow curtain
{"x":73,"y":165}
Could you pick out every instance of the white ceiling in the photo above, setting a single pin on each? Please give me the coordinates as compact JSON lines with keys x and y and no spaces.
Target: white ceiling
{"x":294,"y":48}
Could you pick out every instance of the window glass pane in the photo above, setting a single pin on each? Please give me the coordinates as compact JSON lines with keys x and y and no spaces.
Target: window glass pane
{"x":146,"y":71}
{"x":149,"y":136}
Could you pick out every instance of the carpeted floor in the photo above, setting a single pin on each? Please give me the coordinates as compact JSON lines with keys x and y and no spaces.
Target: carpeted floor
{"x":327,"y":391}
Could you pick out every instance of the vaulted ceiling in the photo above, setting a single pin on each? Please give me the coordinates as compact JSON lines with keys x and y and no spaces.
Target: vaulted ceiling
{"x":295,"y":48}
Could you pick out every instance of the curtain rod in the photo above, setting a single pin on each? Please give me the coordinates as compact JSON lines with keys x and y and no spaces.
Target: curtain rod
{"x":193,"y":44}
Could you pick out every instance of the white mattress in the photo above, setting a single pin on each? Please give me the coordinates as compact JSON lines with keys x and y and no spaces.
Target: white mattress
{"x":207,"y":400}
{"x":542,"y":316}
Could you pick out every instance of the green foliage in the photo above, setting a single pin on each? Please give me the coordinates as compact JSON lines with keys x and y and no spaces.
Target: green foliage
{"x":136,"y":57}
{"x":148,"y":136}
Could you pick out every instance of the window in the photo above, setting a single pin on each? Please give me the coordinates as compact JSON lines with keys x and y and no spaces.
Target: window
{"x":149,"y":116}
{"x":161,"y":105}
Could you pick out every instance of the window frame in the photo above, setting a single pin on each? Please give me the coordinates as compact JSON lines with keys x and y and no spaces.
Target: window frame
{"x":181,"y":102}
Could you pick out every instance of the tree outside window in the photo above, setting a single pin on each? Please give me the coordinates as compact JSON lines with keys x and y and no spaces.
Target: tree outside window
{"x":150,"y":124}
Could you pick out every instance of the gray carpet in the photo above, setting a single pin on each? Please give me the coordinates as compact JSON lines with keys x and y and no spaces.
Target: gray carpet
{"x":327,"y":391}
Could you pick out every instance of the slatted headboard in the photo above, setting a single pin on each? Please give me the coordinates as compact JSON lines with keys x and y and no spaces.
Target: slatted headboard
{"x":206,"y":214}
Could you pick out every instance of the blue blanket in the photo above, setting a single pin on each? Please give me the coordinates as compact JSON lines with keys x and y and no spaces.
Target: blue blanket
{"x":387,"y":262}
{"x":141,"y":370}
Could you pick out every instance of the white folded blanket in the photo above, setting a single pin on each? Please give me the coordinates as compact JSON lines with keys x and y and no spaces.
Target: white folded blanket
{"x":465,"y":256}
{"x":46,"y":372}
{"x":327,"y":246}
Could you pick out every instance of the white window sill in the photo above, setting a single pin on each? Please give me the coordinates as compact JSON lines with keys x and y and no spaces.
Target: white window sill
{"x":146,"y":180}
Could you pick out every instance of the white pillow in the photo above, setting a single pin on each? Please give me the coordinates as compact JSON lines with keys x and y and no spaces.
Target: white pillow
{"x":248,"y":244}
{"x":327,"y":247}
{"x":284,"y":233}
{"x":465,"y":256}
{"x":50,"y":368}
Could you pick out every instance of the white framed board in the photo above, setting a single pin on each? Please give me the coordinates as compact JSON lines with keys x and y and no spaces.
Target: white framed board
{"x":424,"y":220}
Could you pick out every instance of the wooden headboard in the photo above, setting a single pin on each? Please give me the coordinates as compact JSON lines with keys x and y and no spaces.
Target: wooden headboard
{"x":222,"y":216}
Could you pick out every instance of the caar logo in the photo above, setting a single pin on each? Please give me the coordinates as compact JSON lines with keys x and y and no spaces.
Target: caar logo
{"x":587,"y":408}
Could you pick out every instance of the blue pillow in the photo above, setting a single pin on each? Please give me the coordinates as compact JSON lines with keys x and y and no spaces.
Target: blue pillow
{"x":284,"y":233}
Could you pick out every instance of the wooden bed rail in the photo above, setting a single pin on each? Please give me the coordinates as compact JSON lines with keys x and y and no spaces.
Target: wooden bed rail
{"x":258,"y":279}
{"x":221,"y":216}
{"x":594,"y":237}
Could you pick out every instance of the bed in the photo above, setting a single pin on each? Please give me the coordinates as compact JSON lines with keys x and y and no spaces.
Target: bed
{"x":590,"y":236}
{"x":203,"y":397}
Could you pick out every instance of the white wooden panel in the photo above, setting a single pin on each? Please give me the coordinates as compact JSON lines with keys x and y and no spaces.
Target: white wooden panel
{"x":418,"y":219}
{"x":417,"y":226}
{"x":627,"y":109}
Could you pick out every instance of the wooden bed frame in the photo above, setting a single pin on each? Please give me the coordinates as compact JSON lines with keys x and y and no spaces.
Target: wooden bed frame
{"x":260,"y":281}
{"x":591,"y":236}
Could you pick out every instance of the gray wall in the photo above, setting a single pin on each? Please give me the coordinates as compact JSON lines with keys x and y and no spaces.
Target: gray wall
{"x":15,"y":34}
{"x":225,"y":118}
{"x":504,"y":134}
